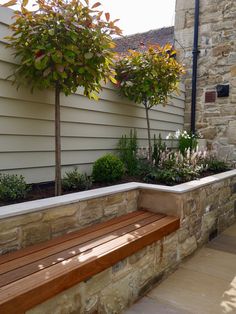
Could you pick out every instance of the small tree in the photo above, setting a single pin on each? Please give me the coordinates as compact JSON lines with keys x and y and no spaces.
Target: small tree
{"x":62,"y":45}
{"x":149,"y":77}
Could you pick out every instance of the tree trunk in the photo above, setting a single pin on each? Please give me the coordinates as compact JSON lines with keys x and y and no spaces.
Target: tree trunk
{"x":57,"y":142}
{"x":149,"y":132}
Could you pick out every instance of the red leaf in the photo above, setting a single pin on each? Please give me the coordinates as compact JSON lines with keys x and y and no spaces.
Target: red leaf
{"x":107,"y":15}
{"x":97,"y":4}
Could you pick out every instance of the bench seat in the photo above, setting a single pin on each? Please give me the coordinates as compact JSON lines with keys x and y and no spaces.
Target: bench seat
{"x":32,"y":275}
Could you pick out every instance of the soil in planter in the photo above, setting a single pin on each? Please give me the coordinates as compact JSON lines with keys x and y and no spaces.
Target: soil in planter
{"x":44,"y":190}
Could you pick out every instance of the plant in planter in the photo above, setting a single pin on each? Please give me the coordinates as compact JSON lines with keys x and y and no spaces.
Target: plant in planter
{"x":62,"y":45}
{"x":108,"y":168}
{"x":76,"y":181}
{"x":186,"y":140}
{"x":127,"y":148}
{"x":148,"y":78}
{"x":13,"y":187}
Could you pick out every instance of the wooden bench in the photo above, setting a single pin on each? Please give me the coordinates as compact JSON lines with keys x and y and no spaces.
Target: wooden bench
{"x":32,"y":275}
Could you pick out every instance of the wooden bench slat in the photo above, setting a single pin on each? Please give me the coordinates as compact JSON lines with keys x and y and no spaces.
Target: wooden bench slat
{"x":61,"y":246}
{"x":30,"y":291}
{"x":34,"y":248}
{"x":42,"y":263}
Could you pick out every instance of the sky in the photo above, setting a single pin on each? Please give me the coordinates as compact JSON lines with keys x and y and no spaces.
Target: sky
{"x":137,"y":16}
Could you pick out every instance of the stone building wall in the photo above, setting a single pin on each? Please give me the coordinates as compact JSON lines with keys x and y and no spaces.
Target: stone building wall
{"x":215,"y":117}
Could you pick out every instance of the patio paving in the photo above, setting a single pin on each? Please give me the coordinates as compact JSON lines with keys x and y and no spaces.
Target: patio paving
{"x":204,"y":284}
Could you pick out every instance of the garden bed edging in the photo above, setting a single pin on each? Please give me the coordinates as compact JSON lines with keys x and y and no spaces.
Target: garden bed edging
{"x":205,"y":206}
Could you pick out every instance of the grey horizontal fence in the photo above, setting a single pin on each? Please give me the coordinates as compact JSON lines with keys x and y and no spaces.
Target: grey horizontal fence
{"x":89,"y":129}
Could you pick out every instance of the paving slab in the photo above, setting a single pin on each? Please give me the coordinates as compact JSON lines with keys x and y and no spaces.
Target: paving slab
{"x":196,"y":292}
{"x":150,"y":306}
{"x":231,"y":231}
{"x":203,"y":284}
{"x":212,"y":262}
{"x":224,"y":243}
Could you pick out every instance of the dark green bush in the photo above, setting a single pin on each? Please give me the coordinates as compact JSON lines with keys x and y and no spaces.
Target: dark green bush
{"x":74,"y":181}
{"x":13,"y":187}
{"x":216,"y":165}
{"x":108,"y":168}
{"x":127,"y":147}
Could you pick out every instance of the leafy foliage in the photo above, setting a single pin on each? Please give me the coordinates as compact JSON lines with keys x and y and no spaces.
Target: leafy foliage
{"x":13,"y":187}
{"x":75,"y":181}
{"x":64,"y":43}
{"x":175,"y":168}
{"x":108,"y":168}
{"x":158,"y":148}
{"x":149,"y":77}
{"x":127,"y":147}
{"x":186,"y":140}
{"x":216,"y":165}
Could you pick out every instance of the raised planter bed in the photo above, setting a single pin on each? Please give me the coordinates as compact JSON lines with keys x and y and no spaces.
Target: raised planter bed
{"x":205,"y":207}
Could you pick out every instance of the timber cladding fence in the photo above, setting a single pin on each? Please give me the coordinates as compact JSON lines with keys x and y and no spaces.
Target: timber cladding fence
{"x":89,"y":129}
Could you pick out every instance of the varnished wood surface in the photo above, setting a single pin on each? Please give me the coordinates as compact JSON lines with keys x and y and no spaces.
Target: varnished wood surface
{"x":33,"y":277}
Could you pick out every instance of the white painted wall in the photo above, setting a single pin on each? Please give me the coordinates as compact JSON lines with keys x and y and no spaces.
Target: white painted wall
{"x":89,"y":129}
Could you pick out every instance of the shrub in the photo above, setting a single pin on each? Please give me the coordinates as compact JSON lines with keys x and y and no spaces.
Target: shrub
{"x":186,"y":140}
{"x":216,"y":165}
{"x":158,"y":147}
{"x":74,"y":180}
{"x":108,"y":168}
{"x":13,"y":187}
{"x":174,"y":167}
{"x":128,"y":147}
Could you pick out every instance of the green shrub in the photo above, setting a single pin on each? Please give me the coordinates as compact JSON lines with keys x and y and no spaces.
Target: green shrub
{"x":186,"y":140}
{"x":216,"y":165}
{"x":13,"y":187}
{"x":158,"y":147}
{"x":127,"y":147}
{"x":74,"y":180}
{"x":108,"y":168}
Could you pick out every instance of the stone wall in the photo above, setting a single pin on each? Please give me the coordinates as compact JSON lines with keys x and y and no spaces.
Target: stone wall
{"x":203,"y":210}
{"x":215,"y":117}
{"x":23,"y":230}
{"x":116,"y":288}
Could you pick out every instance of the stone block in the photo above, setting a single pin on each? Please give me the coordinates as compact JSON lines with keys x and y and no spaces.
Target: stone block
{"x":119,"y":295}
{"x":60,"y":212}
{"x":35,"y":233}
{"x":9,"y":236}
{"x":9,"y":223}
{"x":187,"y":247}
{"x":67,"y":302}
{"x":91,"y":212}
{"x":64,"y":225}
{"x":96,"y":283}
{"x":114,"y":199}
{"x":231,"y":132}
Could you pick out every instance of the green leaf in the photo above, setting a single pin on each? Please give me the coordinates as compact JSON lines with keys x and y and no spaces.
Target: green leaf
{"x":88,"y":55}
{"x":9,"y":3}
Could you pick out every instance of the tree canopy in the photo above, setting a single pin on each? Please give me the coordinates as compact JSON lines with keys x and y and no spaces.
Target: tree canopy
{"x":63,"y":42}
{"x":149,"y":76}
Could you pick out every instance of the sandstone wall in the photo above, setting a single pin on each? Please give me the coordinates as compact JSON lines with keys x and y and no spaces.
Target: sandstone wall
{"x":215,"y":118}
{"x":202,"y":210}
{"x":24,"y":230}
